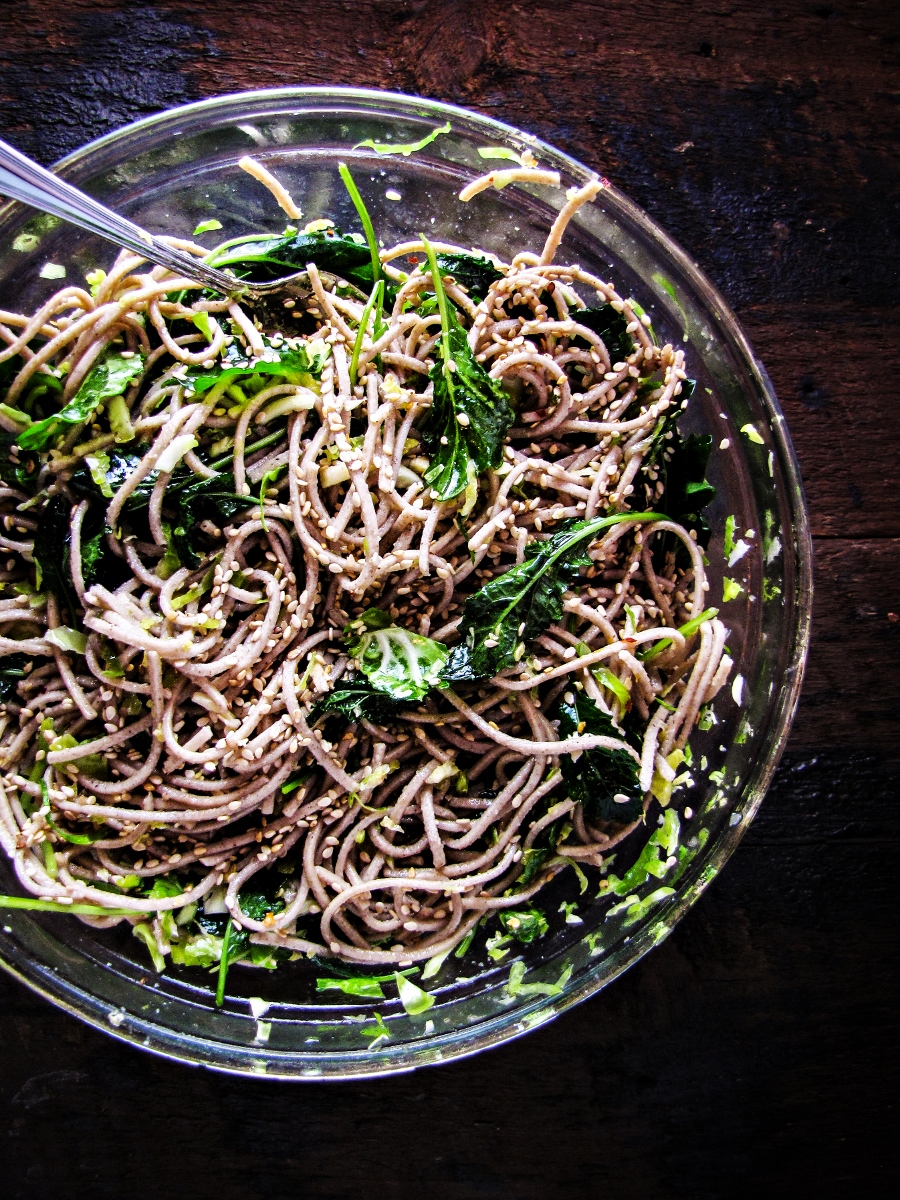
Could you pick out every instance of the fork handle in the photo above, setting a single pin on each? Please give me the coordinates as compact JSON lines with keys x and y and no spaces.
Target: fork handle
{"x":24,"y":180}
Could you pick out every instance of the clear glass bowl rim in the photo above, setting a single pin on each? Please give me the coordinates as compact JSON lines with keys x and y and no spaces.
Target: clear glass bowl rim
{"x":242,"y":1060}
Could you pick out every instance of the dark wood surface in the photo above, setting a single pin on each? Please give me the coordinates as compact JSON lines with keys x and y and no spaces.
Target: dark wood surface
{"x":755,"y":1052}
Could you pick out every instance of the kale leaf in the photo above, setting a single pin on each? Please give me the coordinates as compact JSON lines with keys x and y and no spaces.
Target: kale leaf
{"x":212,"y":499}
{"x":468,"y":391}
{"x":472,"y":271}
{"x":356,"y":698}
{"x":398,"y":663}
{"x":51,"y":551}
{"x":12,"y":669}
{"x":597,"y":776}
{"x":611,"y":326}
{"x":18,"y":468}
{"x":329,"y":249}
{"x":109,"y":378}
{"x":520,"y":604}
{"x":687,"y":491}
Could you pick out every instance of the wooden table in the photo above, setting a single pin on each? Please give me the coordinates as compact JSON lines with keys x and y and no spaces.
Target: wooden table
{"x":755,"y":1052}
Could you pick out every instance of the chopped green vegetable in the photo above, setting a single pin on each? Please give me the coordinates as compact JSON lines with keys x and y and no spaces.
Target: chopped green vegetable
{"x":144,"y":933}
{"x":515,"y":986}
{"x":379,"y":1032}
{"x":663,"y":841}
{"x":398,"y":663}
{"x":688,"y":629}
{"x":470,"y":413}
{"x":498,"y":946}
{"x":198,"y":950}
{"x":752,"y":435}
{"x":413,"y":998}
{"x":67,"y":639}
{"x":207,"y":226}
{"x":301,"y":366}
{"x":525,"y":925}
{"x":731,"y":589}
{"x":109,"y":378}
{"x":501,"y":152}
{"x":519,"y":605}
{"x":406,"y":149}
{"x":360,"y":986}
{"x":604,"y":782}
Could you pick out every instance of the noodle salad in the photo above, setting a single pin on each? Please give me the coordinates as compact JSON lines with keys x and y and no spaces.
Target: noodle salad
{"x":337,"y":625}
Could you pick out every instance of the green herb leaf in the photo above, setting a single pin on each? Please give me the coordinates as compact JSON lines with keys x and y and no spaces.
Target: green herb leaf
{"x":406,"y":149}
{"x":207,"y":226}
{"x":109,"y":378}
{"x":327,"y":248}
{"x":604,"y":782}
{"x":470,"y":413}
{"x":520,"y":604}
{"x":472,"y":271}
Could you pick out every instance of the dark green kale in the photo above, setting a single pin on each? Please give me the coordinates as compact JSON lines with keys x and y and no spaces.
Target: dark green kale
{"x":517,"y":606}
{"x":687,"y":490}
{"x":460,"y":451}
{"x":51,"y":552}
{"x":611,"y":326}
{"x":12,"y":669}
{"x":596,"y":777}
{"x":472,"y":271}
{"x":355,"y":698}
{"x":470,"y":413}
{"x":257,"y":904}
{"x":212,"y":499}
{"x":329,"y":249}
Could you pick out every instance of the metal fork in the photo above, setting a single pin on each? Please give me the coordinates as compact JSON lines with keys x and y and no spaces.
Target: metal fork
{"x":22,"y":179}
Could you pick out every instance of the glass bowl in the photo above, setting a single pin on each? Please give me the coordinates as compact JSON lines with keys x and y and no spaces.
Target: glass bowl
{"x":172,"y":171}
